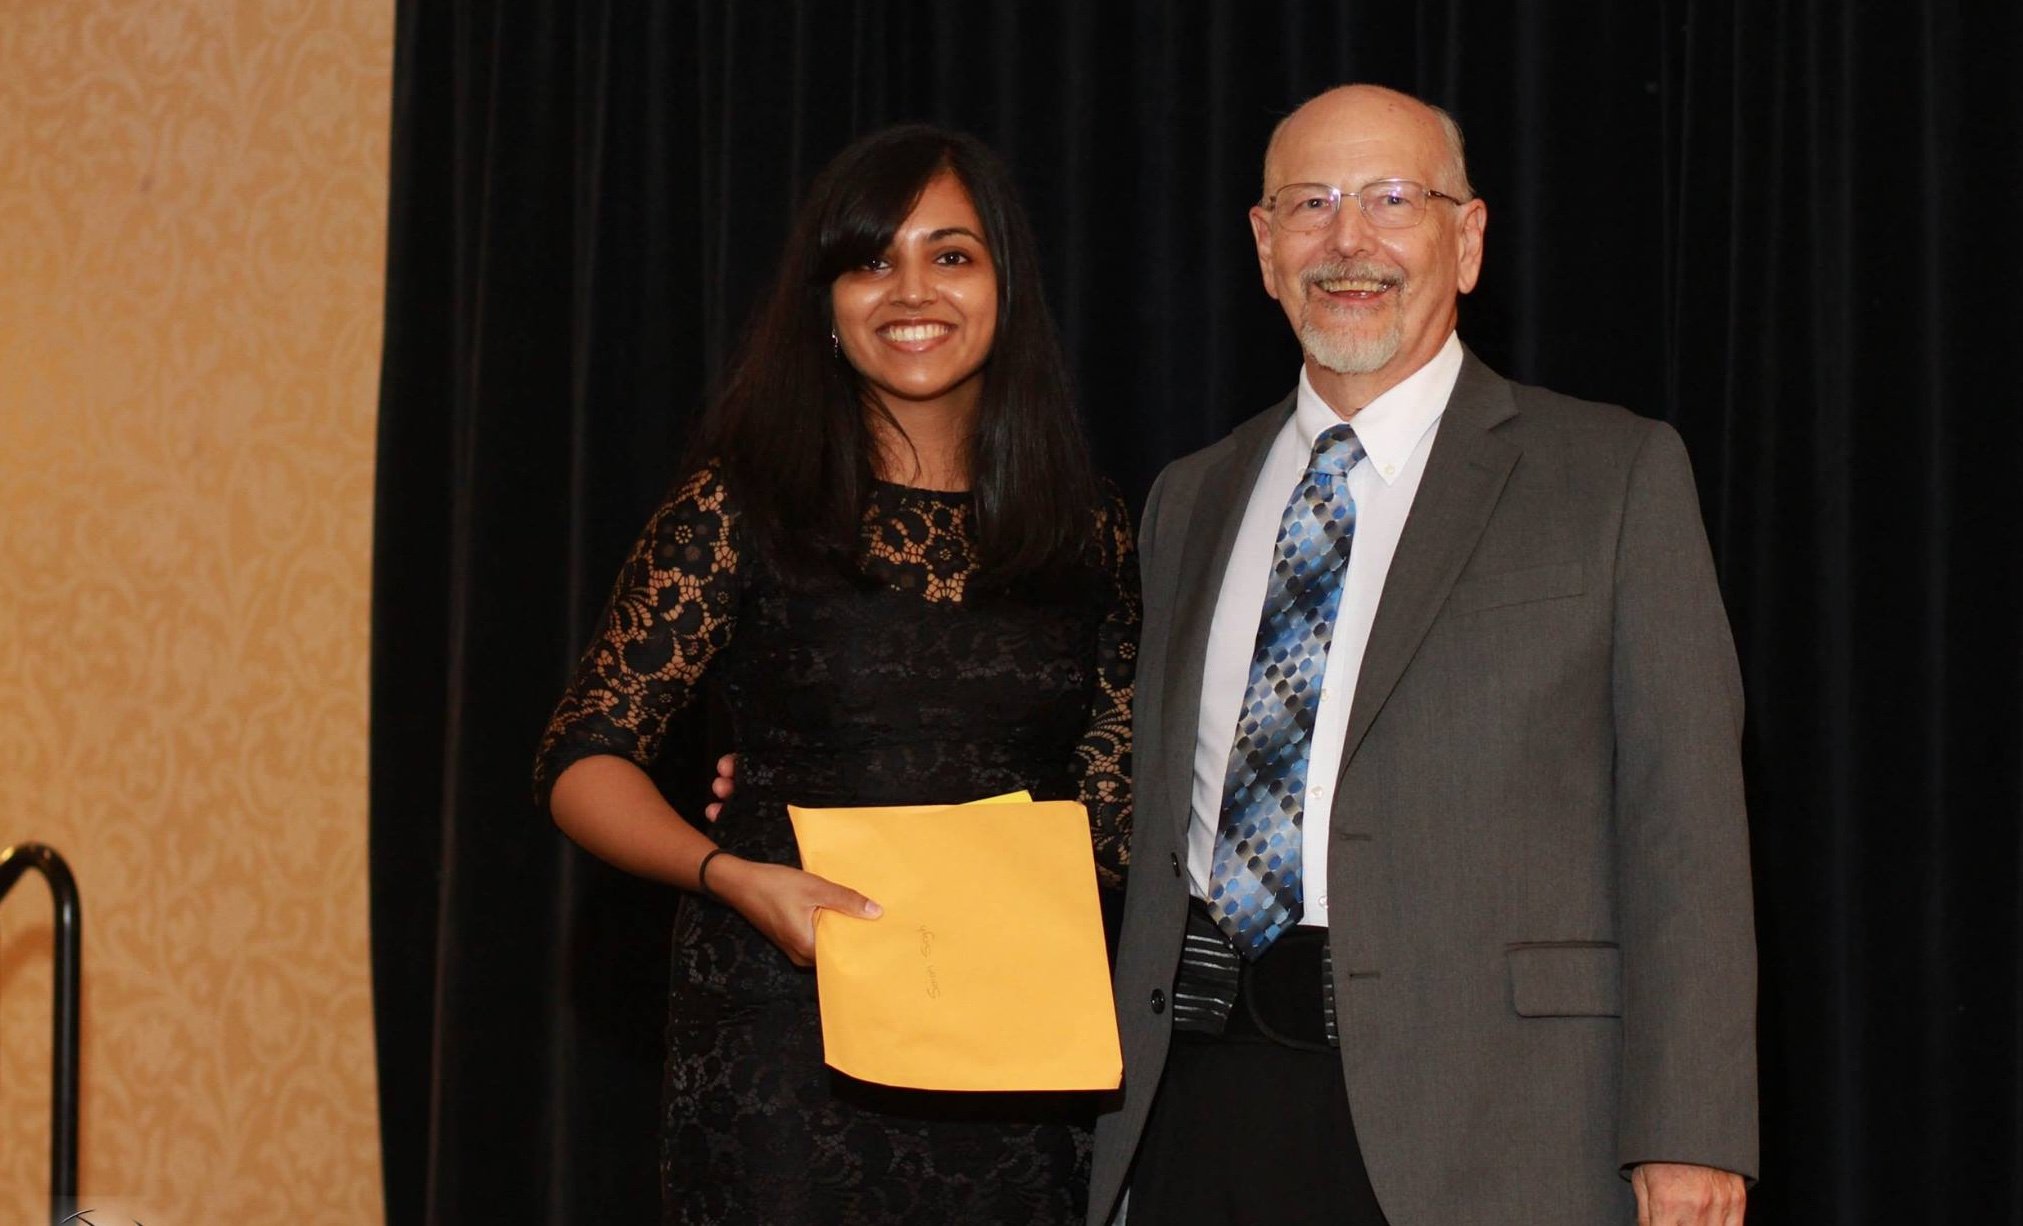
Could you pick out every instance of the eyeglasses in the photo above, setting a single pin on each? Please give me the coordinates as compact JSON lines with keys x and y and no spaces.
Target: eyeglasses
{"x":1392,"y":204}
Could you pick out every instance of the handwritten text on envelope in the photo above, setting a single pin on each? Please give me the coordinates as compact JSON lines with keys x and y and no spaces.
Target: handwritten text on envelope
{"x":986,"y":970}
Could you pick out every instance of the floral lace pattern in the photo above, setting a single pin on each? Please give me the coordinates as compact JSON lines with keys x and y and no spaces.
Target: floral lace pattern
{"x":911,"y":685}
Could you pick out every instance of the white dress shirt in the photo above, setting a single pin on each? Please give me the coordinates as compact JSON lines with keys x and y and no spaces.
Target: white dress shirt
{"x":1396,"y":430}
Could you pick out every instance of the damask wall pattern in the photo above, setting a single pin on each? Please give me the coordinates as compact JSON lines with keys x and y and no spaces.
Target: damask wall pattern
{"x":192,"y":231}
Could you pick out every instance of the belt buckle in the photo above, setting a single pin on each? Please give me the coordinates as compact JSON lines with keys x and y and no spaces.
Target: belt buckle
{"x":1288,"y":994}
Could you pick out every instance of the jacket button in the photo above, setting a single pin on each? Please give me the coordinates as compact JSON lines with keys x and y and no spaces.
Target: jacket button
{"x":1174,"y":856}
{"x":1158,"y":1000}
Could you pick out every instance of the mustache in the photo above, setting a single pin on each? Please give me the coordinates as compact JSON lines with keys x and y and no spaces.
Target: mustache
{"x":1350,"y":270}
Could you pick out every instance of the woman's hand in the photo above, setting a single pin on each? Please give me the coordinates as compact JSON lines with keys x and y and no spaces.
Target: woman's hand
{"x":781,"y":901}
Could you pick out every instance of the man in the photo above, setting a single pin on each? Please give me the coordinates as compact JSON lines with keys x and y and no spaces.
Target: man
{"x":1439,"y":909}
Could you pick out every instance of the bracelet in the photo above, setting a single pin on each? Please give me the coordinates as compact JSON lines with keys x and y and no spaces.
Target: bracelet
{"x":702,"y":875}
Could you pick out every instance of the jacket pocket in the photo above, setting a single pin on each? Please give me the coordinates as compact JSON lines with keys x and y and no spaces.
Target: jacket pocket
{"x":1566,"y":979}
{"x":1474,"y":593}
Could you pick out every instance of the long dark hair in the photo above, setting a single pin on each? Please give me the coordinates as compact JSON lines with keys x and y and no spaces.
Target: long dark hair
{"x":792,"y":427}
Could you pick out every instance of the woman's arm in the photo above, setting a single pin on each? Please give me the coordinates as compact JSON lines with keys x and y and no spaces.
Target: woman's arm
{"x":1103,"y":756}
{"x":614,"y":811}
{"x":673,"y":609}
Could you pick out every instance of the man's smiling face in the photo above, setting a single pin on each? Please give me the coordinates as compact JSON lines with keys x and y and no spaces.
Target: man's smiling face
{"x":1369,"y":302}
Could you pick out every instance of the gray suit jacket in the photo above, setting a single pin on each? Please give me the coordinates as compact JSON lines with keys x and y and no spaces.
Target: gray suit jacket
{"x":1539,"y":896}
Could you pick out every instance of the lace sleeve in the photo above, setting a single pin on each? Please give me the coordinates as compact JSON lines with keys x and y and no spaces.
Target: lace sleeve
{"x":1103,"y":756}
{"x":672,"y":609}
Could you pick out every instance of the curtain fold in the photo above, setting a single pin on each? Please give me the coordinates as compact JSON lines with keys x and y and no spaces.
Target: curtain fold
{"x":1777,"y":224}
{"x":1838,"y":318}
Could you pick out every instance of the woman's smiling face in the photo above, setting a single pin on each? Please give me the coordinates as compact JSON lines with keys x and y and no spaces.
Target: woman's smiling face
{"x":917,"y":321}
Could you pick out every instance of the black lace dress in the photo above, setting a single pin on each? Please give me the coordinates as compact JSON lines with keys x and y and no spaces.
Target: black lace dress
{"x":906,"y":688}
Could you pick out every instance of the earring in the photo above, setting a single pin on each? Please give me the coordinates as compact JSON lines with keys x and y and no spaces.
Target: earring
{"x":835,"y":344}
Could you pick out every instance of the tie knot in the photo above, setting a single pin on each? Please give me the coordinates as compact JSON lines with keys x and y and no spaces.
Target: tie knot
{"x":1336,"y":450}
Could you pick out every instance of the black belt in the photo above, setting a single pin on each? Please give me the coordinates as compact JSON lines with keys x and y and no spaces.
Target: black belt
{"x":1285,"y":996}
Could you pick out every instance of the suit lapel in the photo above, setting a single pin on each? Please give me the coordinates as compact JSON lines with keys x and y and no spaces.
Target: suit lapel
{"x":1464,"y":477}
{"x":1215,"y":515}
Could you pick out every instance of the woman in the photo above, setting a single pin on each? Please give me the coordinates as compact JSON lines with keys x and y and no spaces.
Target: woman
{"x":891,"y":557}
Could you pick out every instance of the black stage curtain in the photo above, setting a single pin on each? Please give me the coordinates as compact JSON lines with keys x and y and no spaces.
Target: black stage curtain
{"x":1782,"y":224}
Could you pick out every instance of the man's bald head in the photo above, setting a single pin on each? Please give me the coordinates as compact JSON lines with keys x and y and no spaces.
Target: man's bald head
{"x":1352,"y":104}
{"x":1371,"y":297}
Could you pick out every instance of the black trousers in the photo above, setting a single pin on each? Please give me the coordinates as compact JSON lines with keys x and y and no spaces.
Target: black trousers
{"x":1245,"y":1130}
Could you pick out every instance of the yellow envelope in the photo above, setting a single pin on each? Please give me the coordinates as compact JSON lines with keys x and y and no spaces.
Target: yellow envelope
{"x":987,"y":970}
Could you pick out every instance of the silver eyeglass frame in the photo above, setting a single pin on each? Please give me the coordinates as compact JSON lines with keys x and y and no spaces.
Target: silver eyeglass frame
{"x":1335,"y":194}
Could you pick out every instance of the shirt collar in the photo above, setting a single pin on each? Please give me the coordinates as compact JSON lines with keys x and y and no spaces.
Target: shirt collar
{"x":1392,"y":426}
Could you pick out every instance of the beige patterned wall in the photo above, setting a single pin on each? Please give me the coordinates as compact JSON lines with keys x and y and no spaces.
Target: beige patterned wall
{"x":192,"y":205}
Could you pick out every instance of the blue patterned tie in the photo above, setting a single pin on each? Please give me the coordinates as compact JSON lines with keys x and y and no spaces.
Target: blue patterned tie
{"x":1254,"y":878}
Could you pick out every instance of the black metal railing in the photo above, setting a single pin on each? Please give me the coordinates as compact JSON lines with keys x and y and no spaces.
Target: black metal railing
{"x":15,"y":861}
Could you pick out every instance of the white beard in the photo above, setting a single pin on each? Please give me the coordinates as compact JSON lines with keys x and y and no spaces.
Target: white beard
{"x":1351,"y":353}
